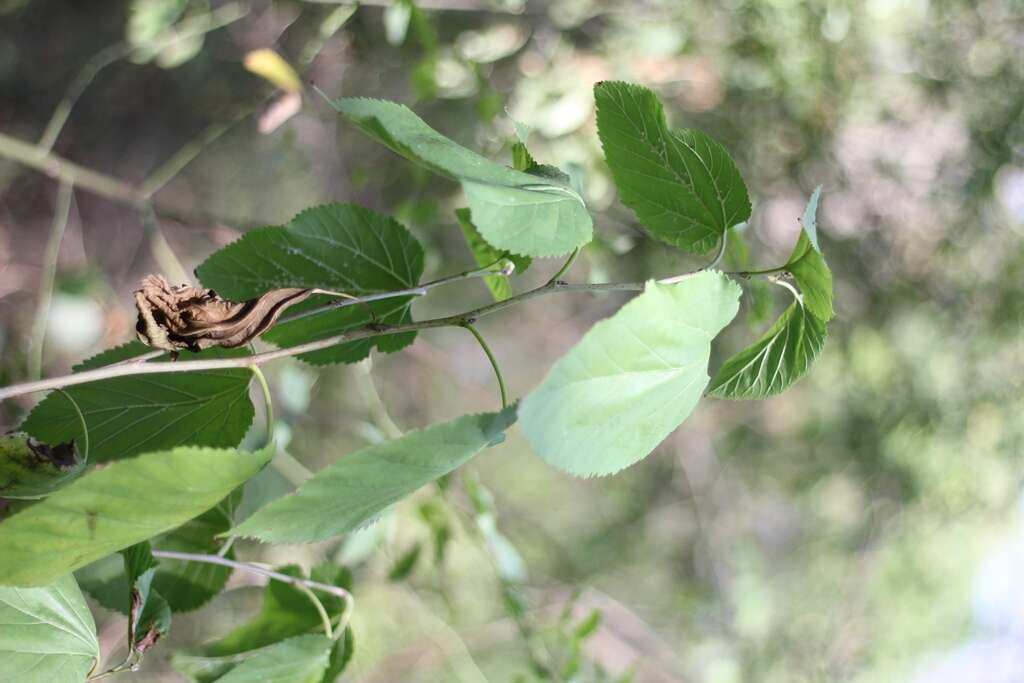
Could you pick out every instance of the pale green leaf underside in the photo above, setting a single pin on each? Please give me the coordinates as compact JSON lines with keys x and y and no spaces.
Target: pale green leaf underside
{"x":114,"y":507}
{"x":47,"y":634}
{"x":130,"y":415}
{"x":302,"y":659}
{"x":513,"y":210}
{"x":486,"y":255}
{"x":357,"y":488}
{"x":338,"y":247}
{"x":808,"y":267}
{"x":683,"y":186}
{"x":777,"y":360}
{"x":632,"y":379}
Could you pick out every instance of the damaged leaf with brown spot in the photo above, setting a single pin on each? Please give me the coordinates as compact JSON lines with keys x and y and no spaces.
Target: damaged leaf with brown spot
{"x":32,"y":469}
{"x":149,"y":616}
{"x":176,"y":318}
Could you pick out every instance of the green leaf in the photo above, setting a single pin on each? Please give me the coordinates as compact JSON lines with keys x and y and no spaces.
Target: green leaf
{"x":114,"y":507}
{"x":588,"y":626}
{"x":47,"y":634}
{"x":405,"y":564}
{"x":521,"y":157}
{"x":302,"y":659}
{"x":632,"y":379}
{"x":29,"y":469}
{"x":514,"y":211}
{"x":286,"y":612}
{"x":683,"y":186}
{"x":781,"y":357}
{"x":149,"y":616}
{"x":184,"y":585}
{"x":356,"y":489}
{"x":135,"y":414}
{"x":808,"y":266}
{"x":341,"y":655}
{"x":189,"y":585}
{"x":486,"y":255}
{"x":339,"y":247}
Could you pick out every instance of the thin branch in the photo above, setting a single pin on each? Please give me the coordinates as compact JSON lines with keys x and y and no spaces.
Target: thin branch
{"x":60,"y":221}
{"x":494,"y":363}
{"x":371,"y":330}
{"x":565,"y":266}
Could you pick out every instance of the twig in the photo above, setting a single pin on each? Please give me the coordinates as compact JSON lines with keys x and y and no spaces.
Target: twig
{"x":46,"y":279}
{"x":565,"y":266}
{"x":336,"y":591}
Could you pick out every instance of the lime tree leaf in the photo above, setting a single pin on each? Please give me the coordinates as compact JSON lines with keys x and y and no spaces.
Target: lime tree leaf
{"x":339,"y":247}
{"x":149,"y":616}
{"x":357,"y":488}
{"x":184,"y":585}
{"x":778,"y":359}
{"x":114,"y":507}
{"x":31,"y":469}
{"x":202,"y":669}
{"x":286,"y":612}
{"x":47,"y":634}
{"x":302,"y":659}
{"x":134,"y":414}
{"x":486,"y":255}
{"x":683,"y":186}
{"x":189,"y":585}
{"x":808,"y":267}
{"x":513,"y":210}
{"x":632,"y":379}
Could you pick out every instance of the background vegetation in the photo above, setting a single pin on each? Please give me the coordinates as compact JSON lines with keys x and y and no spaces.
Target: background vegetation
{"x":864,"y":526}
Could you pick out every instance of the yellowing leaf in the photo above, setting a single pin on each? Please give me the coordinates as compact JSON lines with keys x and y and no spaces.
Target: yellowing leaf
{"x":269,"y":65}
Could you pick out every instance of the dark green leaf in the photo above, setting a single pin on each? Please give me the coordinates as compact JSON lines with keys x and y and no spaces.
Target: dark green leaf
{"x":486,"y":255}
{"x":114,"y":507}
{"x":356,"y":489}
{"x":302,"y":659}
{"x":47,"y":634}
{"x":405,"y":564}
{"x":683,"y":186}
{"x":134,"y":414}
{"x":781,"y":357}
{"x":341,"y":655}
{"x":339,"y":247}
{"x":514,"y":211}
{"x":632,"y":379}
{"x":30,"y":469}
{"x":149,"y":616}
{"x":286,"y":612}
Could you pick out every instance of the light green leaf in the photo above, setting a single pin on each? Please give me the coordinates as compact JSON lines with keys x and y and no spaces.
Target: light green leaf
{"x":302,"y":659}
{"x":632,"y":379}
{"x":114,"y":507}
{"x":30,"y":469}
{"x":129,"y":415}
{"x":47,"y":634}
{"x":683,"y":186}
{"x":514,"y":211}
{"x":781,"y":357}
{"x":339,"y":247}
{"x":286,"y":612}
{"x":357,"y":488}
{"x":486,"y":255}
{"x":808,"y":266}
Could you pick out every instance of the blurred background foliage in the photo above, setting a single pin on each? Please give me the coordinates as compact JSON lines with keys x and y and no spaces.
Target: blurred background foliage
{"x":866,"y":526}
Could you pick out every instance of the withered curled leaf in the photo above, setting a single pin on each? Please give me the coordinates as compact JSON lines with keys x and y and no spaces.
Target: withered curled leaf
{"x":31,"y":469}
{"x":177,"y":318}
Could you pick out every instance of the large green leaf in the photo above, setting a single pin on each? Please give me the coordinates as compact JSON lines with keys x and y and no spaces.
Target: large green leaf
{"x":47,"y":634}
{"x":302,"y":659}
{"x":683,"y":186}
{"x":808,"y":265}
{"x":286,"y":612}
{"x":632,"y":379}
{"x":357,"y":488}
{"x":340,"y":247}
{"x":114,"y":507}
{"x":514,"y":211}
{"x":486,"y":255}
{"x":129,"y":415}
{"x":777,"y":360}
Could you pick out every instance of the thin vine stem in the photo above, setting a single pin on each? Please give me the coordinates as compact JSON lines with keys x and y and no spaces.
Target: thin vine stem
{"x":267,"y":401}
{"x":298,"y":582}
{"x":81,"y":420}
{"x":494,"y":363}
{"x":65,"y":194}
{"x":565,"y":266}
